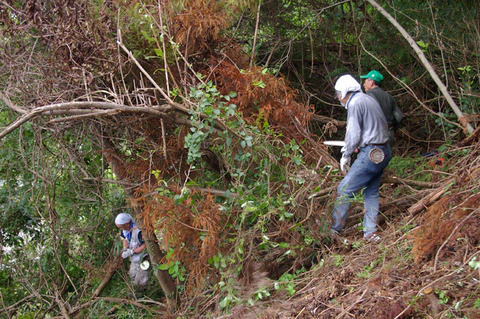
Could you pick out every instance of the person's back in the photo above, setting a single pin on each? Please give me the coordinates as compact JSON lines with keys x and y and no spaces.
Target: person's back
{"x":367,"y":131}
{"x":372,"y":85}
{"x":366,"y":124}
{"x":389,"y":106}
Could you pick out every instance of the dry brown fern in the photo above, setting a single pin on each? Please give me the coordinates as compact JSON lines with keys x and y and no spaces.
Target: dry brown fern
{"x":259,"y":92}
{"x":197,"y":27}
{"x":440,"y":222}
{"x":191,"y":229}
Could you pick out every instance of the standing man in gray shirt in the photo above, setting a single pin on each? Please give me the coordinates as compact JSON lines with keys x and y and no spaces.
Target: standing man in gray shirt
{"x":372,"y":85}
{"x":367,"y":130}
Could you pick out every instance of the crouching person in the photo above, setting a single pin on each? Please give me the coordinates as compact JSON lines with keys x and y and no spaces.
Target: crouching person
{"x":135,"y":248}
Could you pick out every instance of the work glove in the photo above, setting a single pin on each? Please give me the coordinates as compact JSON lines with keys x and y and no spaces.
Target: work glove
{"x":344,"y":162}
{"x":127,"y":253}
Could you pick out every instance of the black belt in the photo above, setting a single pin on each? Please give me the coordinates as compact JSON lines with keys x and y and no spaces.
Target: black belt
{"x":378,"y":144}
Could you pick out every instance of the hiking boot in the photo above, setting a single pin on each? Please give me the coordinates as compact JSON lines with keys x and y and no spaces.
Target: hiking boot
{"x":372,"y":237}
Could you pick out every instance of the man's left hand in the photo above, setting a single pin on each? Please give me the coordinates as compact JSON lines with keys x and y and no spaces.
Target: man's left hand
{"x":127,"y":253}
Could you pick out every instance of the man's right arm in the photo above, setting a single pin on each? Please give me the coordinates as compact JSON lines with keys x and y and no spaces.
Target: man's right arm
{"x":397,"y":117}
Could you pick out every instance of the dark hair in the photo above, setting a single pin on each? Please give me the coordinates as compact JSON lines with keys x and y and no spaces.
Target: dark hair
{"x":377,"y":83}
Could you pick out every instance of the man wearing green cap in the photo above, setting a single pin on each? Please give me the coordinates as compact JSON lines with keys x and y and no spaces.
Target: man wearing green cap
{"x":372,"y":85}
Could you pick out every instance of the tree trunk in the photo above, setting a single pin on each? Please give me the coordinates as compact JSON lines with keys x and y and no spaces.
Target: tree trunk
{"x":463,"y":121}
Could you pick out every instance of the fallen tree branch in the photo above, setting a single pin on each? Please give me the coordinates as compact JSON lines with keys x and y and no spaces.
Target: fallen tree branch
{"x":83,"y":116}
{"x":117,"y":263}
{"x":386,"y":180}
{"x":20,"y":302}
{"x":67,"y":107}
{"x":45,"y":110}
{"x":17,"y":123}
{"x":130,"y":302}
{"x":431,"y":198}
{"x":215,"y":192}
{"x":60,"y":303}
{"x":326,"y":119}
{"x":409,"y":182}
{"x":14,"y":107}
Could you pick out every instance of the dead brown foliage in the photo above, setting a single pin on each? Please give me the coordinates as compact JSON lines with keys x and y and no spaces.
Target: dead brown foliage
{"x":263,"y":95}
{"x":198,"y":25}
{"x":70,"y":33}
{"x":191,"y":229}
{"x":452,"y":223}
{"x":149,"y":155}
{"x":439,"y":224}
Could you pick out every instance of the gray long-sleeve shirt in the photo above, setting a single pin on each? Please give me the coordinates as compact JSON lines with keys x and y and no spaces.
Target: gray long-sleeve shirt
{"x":389,"y":106}
{"x":366,"y":123}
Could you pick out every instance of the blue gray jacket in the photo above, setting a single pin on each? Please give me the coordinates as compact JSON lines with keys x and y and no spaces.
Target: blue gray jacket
{"x":366,"y":123}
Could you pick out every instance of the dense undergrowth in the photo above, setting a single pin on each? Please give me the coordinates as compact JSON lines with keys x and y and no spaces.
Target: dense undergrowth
{"x":286,"y":266}
{"x":426,"y":265}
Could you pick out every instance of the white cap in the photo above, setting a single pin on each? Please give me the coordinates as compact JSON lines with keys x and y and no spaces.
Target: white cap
{"x":123,"y":218}
{"x":347,"y":83}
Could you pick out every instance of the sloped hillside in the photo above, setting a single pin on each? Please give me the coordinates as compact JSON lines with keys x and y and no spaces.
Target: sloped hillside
{"x":427,"y":264}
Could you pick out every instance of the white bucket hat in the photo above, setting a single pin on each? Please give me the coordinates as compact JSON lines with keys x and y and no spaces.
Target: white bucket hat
{"x":123,"y":218}
{"x":347,"y":83}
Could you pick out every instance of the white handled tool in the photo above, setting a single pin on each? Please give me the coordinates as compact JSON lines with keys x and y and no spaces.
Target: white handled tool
{"x":334,"y":143}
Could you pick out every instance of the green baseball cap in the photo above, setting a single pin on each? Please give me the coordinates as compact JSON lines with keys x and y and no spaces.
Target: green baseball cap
{"x":374,"y":75}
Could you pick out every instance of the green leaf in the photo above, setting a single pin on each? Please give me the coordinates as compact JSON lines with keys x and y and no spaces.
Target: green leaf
{"x":158,"y":52}
{"x":164,"y":266}
{"x":223,"y":303}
